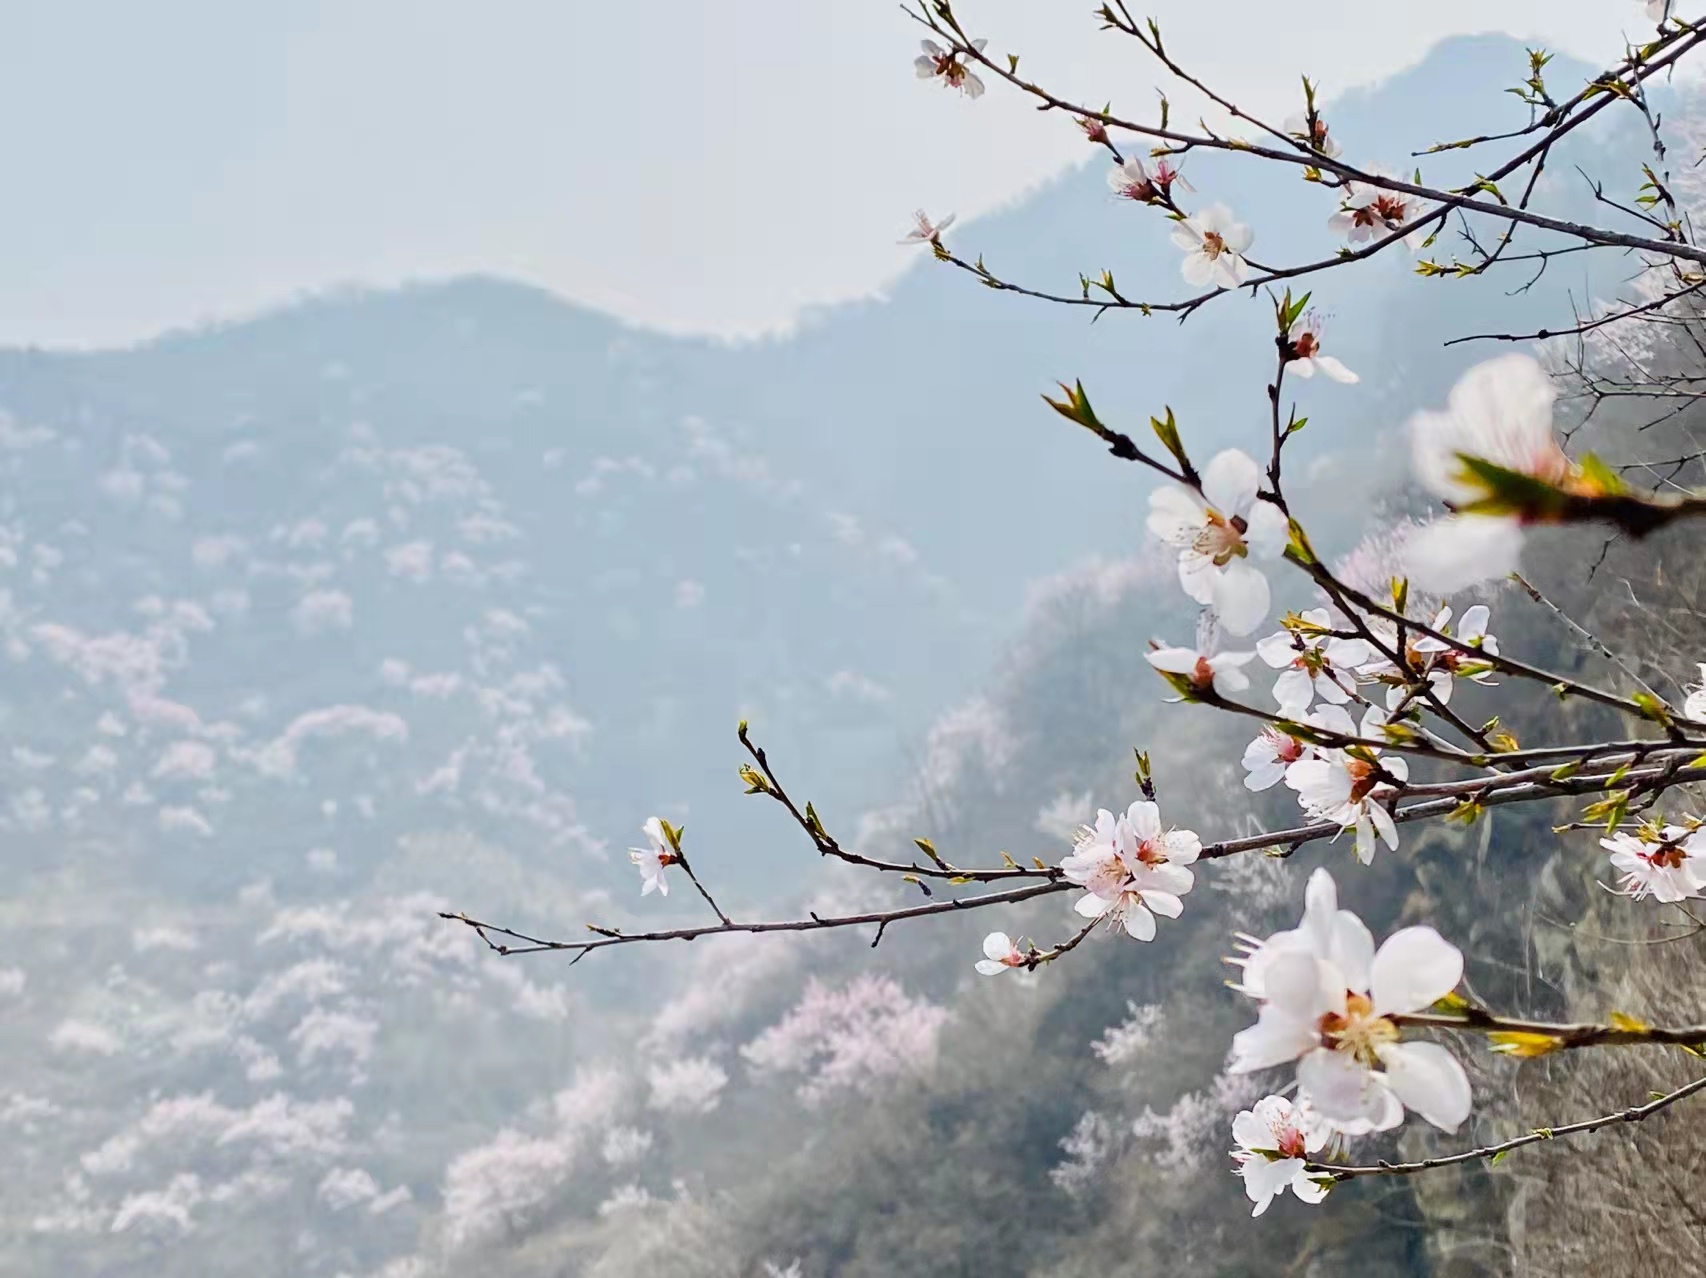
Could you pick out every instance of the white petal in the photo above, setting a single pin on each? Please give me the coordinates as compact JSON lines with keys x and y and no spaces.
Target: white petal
{"x":1198,"y":575}
{"x":1351,"y":947}
{"x":1175,"y":514}
{"x":1455,"y":553}
{"x":1473,"y":626}
{"x":1264,"y":1178}
{"x":1293,"y":690}
{"x":1229,"y":681}
{"x":1196,"y":268}
{"x":1337,"y":1085}
{"x":1182,"y":846}
{"x":997,"y":945}
{"x":1230,"y":481}
{"x":1274,"y":1039}
{"x":1165,"y":904}
{"x":1304,"y":986}
{"x":1091,"y":906}
{"x":989,"y":967}
{"x":1307,"y":1190}
{"x":1337,"y":371}
{"x":1252,"y":1130}
{"x":1145,"y":819}
{"x":1320,"y":906}
{"x":1415,"y":968}
{"x":1139,"y":923}
{"x":1174,"y":660}
{"x":1268,"y":530}
{"x":1240,"y":597}
{"x":1428,"y":1079}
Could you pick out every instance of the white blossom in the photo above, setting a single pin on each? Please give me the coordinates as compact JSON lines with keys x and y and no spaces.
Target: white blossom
{"x":1303,"y":351}
{"x":1275,"y":1139}
{"x":1132,"y":179}
{"x":1367,"y":211}
{"x":924,"y":231}
{"x":1667,"y":864}
{"x":946,"y":65}
{"x":1500,"y":412}
{"x":1326,"y":999}
{"x":1000,"y":952}
{"x":1220,"y":672}
{"x":1133,"y":869}
{"x":1315,"y":136}
{"x":654,"y":860}
{"x":1441,"y":664}
{"x":1214,"y":244}
{"x":1216,"y":531}
{"x":1351,"y":790}
{"x":1313,"y":662}
{"x":1268,"y":756}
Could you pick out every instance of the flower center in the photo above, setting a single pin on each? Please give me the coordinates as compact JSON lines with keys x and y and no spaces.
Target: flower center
{"x":1213,"y":244}
{"x":1392,"y":208}
{"x":1667,"y":856}
{"x":1220,"y":539}
{"x":1289,"y":1143}
{"x":1307,"y":346}
{"x":1287,"y":749}
{"x":1363,"y":778}
{"x":1150,"y":852}
{"x":1359,"y":1031}
{"x":1202,"y":674}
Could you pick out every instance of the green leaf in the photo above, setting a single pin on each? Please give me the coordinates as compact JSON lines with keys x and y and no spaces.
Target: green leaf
{"x":1168,"y":433}
{"x":1076,"y":407}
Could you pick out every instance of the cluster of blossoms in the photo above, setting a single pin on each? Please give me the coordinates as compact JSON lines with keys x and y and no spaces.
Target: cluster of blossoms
{"x":1132,"y":181}
{"x":1355,"y":785}
{"x":1132,"y":868}
{"x":1367,"y":212}
{"x":1327,"y":999}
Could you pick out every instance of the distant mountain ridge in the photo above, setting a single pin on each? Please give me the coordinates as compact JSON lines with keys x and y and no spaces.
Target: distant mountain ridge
{"x":830,"y":534}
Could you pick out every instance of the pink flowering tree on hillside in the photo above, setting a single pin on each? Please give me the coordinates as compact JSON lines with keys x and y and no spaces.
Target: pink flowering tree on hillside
{"x":1349,"y":688}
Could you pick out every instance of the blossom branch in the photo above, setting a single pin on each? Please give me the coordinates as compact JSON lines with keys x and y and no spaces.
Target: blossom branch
{"x":1633,"y":1114}
{"x":1548,"y":1036}
{"x":1437,"y":800}
{"x":765,"y":781}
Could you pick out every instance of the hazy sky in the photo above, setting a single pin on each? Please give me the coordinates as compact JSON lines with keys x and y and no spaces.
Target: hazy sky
{"x":696,"y":165}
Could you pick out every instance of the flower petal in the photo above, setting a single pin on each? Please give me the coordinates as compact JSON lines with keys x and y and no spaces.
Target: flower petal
{"x":1274,"y":1039}
{"x":1455,"y":553}
{"x":1240,"y":597}
{"x":1268,"y":531}
{"x":1139,"y":923}
{"x":1428,"y":1079}
{"x":1414,"y":969}
{"x":1230,"y":481}
{"x":1338,"y":1086}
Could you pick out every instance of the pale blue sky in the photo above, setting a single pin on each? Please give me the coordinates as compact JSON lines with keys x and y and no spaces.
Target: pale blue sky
{"x":687,"y":164}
